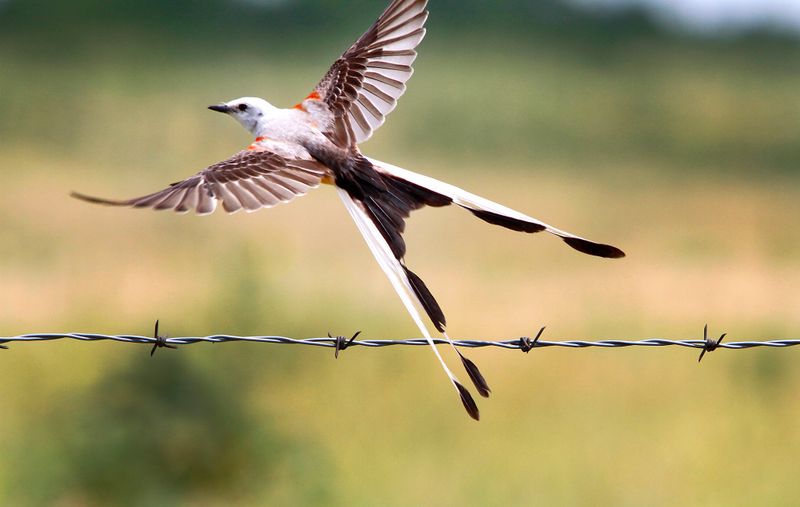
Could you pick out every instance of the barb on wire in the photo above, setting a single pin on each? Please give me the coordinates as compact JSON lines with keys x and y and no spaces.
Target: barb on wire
{"x":340,"y":343}
{"x":709,"y":345}
{"x":160,"y":341}
{"x":525,"y":343}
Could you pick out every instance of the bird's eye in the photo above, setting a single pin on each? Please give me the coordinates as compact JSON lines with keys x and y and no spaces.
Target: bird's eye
{"x":242,"y":107}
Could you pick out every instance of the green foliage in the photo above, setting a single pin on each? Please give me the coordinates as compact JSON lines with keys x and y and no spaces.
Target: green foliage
{"x":558,"y":89}
{"x":187,"y":16}
{"x":42,"y":26}
{"x":156,"y":431}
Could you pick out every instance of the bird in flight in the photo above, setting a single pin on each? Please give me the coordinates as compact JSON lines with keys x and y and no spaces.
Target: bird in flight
{"x":317,"y":141}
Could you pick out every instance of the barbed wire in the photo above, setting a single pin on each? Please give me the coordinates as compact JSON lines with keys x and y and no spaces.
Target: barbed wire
{"x":340,"y":343}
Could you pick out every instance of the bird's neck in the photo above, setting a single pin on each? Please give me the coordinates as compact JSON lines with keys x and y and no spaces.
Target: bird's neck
{"x":268,"y":123}
{"x":278,"y":124}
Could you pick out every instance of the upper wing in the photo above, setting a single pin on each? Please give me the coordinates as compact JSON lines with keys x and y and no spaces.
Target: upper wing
{"x":250,"y":179}
{"x":363,"y":85}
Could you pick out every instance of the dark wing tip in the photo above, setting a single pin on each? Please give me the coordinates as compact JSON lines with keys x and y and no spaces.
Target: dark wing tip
{"x":97,"y":200}
{"x":469,"y":404}
{"x":596,"y":249}
{"x":475,"y":375}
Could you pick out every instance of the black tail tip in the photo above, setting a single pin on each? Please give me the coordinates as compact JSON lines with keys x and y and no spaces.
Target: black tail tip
{"x":596,"y":249}
{"x":475,"y":375}
{"x":469,"y":404}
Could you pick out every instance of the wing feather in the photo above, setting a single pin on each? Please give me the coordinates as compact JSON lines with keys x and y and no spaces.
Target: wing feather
{"x":377,"y":65}
{"x":249,"y":180}
{"x":190,"y":200}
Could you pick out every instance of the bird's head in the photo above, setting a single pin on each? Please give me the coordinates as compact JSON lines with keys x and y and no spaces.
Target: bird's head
{"x":249,"y":111}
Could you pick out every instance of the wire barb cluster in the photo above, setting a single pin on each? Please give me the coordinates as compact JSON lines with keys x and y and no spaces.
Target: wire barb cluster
{"x":340,"y":343}
{"x":160,"y":341}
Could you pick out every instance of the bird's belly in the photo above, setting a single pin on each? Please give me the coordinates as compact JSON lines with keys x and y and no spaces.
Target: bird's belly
{"x":293,"y":129}
{"x":287,"y":149}
{"x":290,"y":137}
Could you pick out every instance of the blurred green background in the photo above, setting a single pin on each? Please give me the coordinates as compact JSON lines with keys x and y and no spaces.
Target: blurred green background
{"x":682,"y":148}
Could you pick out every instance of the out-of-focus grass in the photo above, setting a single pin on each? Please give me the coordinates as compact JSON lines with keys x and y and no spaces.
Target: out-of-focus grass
{"x":686,"y":161}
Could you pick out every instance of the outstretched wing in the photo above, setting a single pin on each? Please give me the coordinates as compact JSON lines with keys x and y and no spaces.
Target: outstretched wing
{"x":249,"y":180}
{"x":363,"y":85}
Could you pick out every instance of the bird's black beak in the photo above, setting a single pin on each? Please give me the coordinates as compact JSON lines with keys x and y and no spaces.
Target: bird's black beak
{"x":221,"y":108}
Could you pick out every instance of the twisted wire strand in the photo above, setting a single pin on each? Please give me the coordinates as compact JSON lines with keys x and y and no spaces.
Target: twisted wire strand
{"x":341,"y":343}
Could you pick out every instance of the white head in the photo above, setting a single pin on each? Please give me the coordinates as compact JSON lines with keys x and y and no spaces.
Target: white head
{"x":249,"y":111}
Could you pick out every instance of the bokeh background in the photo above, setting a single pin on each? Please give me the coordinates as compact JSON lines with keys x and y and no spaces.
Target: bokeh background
{"x":671,"y":131}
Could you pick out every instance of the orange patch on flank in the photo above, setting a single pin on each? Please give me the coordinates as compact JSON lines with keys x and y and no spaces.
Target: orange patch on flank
{"x":327,"y":179}
{"x":311,"y":96}
{"x":255,"y":145}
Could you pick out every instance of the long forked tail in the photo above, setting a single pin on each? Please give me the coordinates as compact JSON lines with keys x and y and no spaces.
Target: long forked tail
{"x":407,"y":285}
{"x":380,"y":196}
{"x":497,"y":214}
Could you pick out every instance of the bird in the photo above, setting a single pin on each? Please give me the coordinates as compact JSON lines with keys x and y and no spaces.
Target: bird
{"x":317,"y":142}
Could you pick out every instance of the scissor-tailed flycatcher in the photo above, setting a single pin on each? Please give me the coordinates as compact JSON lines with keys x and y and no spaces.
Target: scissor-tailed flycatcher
{"x":317,"y":141}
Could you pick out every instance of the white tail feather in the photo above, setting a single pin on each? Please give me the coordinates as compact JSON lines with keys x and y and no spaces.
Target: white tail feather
{"x":391,"y":267}
{"x":388,"y":261}
{"x":407,"y":284}
{"x":467,"y":199}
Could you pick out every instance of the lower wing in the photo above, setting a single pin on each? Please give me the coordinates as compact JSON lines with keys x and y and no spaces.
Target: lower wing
{"x":249,"y":180}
